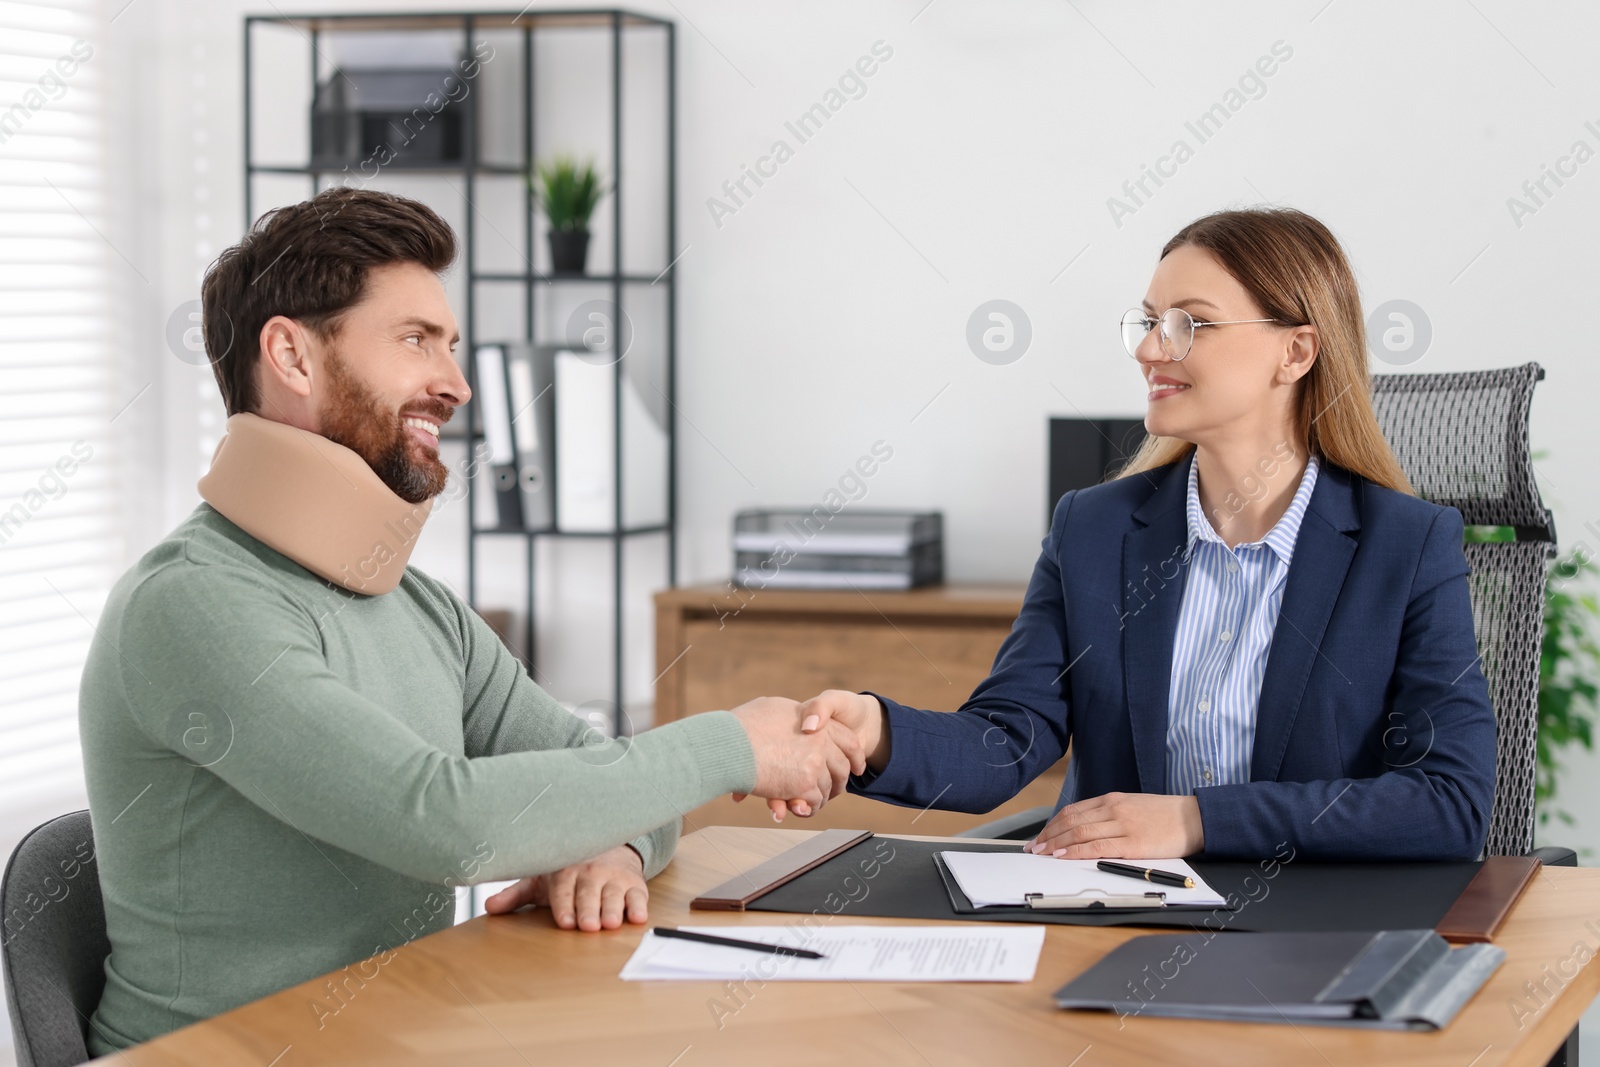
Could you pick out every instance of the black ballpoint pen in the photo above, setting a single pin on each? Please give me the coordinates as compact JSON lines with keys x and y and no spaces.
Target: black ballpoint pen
{"x":733,"y":942}
{"x":1147,"y":874}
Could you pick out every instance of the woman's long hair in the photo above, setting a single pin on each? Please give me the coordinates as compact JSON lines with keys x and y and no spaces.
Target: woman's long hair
{"x":1295,"y":270}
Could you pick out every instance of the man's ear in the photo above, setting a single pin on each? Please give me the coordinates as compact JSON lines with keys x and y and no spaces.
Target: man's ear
{"x":1299,"y":354}
{"x":285,"y":350}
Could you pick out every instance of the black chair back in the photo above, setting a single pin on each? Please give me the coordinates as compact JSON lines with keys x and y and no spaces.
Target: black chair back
{"x":54,"y":946}
{"x":1462,"y":439}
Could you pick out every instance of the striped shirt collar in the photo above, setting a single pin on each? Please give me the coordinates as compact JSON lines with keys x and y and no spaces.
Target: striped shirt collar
{"x":1280,"y":538}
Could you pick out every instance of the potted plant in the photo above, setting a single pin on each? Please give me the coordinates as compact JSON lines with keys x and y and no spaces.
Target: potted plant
{"x":568,"y":191}
{"x":1569,"y":669}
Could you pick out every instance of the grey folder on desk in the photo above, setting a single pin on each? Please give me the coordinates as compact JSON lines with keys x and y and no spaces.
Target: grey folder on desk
{"x":1389,"y":979}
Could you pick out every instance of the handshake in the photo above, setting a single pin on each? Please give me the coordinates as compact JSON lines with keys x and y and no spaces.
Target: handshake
{"x":806,"y":752}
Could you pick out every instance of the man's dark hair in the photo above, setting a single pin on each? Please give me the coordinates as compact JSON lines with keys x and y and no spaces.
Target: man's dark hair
{"x":308,"y":261}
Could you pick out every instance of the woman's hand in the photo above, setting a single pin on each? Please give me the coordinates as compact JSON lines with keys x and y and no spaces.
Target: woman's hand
{"x":860,"y":713}
{"x":1123,"y":826}
{"x":596,"y":894}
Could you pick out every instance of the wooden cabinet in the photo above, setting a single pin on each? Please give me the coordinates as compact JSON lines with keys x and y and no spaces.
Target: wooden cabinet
{"x":717,"y":647}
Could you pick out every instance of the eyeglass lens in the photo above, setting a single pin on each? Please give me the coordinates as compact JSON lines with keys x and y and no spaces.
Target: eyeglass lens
{"x":1177,"y":331}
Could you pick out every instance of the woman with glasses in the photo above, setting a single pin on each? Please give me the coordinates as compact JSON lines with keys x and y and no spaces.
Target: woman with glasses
{"x":1255,"y":635}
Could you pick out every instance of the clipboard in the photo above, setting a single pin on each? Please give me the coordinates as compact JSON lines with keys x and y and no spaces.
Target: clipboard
{"x":1070,"y":903}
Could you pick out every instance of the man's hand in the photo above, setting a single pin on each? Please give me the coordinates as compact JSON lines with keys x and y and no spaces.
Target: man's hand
{"x":862,"y":715}
{"x":810,"y":767}
{"x":596,"y":894}
{"x":1123,"y":826}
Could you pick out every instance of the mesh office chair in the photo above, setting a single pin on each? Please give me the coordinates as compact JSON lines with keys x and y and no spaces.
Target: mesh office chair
{"x":54,"y":946}
{"x":1462,"y":439}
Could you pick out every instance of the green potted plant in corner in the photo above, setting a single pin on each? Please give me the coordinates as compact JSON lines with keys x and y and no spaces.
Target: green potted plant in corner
{"x":1569,"y":668}
{"x":569,"y":192}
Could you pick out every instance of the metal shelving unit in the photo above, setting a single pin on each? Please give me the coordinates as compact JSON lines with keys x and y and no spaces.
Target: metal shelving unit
{"x":529,"y":23}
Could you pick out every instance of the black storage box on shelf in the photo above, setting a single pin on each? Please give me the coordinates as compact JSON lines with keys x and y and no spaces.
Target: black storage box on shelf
{"x":356,"y":112}
{"x":818,"y":549}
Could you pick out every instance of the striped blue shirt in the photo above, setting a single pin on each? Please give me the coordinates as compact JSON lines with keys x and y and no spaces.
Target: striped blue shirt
{"x":1225,"y":623}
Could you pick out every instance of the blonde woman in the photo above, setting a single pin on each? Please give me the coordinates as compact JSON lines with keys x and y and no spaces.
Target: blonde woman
{"x":1254,"y":635}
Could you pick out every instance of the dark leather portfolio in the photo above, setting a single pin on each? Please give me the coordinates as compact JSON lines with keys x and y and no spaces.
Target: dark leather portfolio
{"x":1488,"y":899}
{"x":1387,"y":979}
{"x":902,"y":881}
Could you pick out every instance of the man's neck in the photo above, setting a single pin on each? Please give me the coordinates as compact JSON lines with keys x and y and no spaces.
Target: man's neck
{"x":315,"y":501}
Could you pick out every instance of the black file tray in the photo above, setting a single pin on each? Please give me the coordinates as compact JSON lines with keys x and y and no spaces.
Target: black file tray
{"x":1300,"y":895}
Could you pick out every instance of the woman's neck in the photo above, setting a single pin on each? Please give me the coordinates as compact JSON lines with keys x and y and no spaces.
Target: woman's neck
{"x":1246,"y":486}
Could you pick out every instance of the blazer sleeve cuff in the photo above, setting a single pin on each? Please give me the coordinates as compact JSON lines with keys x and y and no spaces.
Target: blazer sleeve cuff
{"x":898,"y":775}
{"x":1225,"y":820}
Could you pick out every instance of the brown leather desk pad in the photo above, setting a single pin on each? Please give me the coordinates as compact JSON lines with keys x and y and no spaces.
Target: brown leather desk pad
{"x":739,"y":891}
{"x":1488,"y":899}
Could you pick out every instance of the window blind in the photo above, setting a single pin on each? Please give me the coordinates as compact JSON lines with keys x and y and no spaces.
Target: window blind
{"x":60,"y":509}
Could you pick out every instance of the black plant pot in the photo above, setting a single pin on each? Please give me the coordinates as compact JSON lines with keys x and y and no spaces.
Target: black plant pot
{"x":569,"y":251}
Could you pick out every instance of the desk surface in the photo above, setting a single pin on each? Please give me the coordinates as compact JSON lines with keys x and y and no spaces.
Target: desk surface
{"x":511,"y":991}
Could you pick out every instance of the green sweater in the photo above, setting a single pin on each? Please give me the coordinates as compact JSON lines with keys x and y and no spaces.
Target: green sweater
{"x":286,"y":777}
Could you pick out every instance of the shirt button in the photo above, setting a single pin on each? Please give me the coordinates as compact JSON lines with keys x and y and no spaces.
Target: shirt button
{"x":1208,"y":774}
{"x":1224,"y":635}
{"x":1204,"y":705}
{"x":1233,"y":568}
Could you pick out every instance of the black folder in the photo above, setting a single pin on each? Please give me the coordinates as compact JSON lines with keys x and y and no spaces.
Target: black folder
{"x":902,"y":881}
{"x":1390,"y":979}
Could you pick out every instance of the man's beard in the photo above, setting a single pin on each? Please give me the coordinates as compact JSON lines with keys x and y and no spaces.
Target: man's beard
{"x":355,"y":418}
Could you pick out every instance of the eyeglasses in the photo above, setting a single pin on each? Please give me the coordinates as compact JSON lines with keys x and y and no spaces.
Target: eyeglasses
{"x":1177,"y":330}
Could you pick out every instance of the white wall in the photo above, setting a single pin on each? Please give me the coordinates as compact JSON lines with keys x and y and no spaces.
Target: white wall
{"x":829,"y":311}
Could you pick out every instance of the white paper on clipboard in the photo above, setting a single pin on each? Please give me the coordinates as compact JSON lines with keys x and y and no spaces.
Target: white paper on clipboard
{"x":1006,"y":878}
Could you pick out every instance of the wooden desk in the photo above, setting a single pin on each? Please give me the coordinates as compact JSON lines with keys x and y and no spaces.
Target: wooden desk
{"x":513,"y":990}
{"x":717,"y":647}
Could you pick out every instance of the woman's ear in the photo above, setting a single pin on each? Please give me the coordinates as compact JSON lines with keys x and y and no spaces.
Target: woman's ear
{"x":1299,"y":354}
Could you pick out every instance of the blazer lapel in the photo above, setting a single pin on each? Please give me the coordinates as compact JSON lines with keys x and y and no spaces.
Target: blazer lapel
{"x":1322,"y":555}
{"x":1153,"y":561}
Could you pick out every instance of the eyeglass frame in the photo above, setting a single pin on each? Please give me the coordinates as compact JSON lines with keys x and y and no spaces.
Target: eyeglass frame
{"x":1193,"y":326}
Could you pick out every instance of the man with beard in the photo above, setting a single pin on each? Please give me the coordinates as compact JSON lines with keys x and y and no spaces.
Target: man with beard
{"x":296,"y":745}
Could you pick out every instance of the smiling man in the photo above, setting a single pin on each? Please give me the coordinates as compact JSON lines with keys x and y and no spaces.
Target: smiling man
{"x":295,"y":744}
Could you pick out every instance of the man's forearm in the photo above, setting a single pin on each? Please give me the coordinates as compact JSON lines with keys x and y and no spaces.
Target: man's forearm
{"x":656,"y":848}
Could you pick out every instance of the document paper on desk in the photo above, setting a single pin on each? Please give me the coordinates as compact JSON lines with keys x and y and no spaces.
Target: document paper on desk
{"x":1005,"y":878}
{"x":941,"y":953}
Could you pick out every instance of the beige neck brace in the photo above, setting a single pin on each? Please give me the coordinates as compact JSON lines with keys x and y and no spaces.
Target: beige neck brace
{"x":315,"y":501}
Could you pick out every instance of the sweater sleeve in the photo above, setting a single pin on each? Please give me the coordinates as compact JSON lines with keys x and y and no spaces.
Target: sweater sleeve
{"x":319,"y":756}
{"x":504,"y":711}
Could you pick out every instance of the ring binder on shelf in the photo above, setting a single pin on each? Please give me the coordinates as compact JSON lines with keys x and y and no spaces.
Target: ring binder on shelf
{"x":494,"y":390}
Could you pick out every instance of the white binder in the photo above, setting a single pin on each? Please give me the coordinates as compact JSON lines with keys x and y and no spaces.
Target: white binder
{"x":585,"y":434}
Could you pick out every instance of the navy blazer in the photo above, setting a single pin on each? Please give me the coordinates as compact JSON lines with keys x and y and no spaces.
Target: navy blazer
{"x":1375,"y":737}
